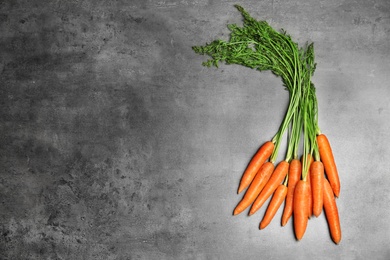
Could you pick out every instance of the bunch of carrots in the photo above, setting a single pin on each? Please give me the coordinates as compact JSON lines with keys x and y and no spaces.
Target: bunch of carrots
{"x":306,"y":184}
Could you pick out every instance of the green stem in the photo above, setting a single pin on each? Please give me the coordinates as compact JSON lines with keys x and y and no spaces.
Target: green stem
{"x":309,"y":104}
{"x":292,"y":107}
{"x":296,"y":127}
{"x":258,"y":46}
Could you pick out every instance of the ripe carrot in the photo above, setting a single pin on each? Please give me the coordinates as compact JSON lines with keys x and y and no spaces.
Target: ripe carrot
{"x":301,"y":204}
{"x":327,"y":159}
{"x":277,"y":199}
{"x":331,"y":212}
{"x":317,"y":183}
{"x":276,"y":178}
{"x":254,"y":165}
{"x":294,"y":175}
{"x":310,"y":196}
{"x":255,"y":187}
{"x":310,"y":160}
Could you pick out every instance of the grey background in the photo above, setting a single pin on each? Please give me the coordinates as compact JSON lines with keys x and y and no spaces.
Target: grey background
{"x":117,"y":144}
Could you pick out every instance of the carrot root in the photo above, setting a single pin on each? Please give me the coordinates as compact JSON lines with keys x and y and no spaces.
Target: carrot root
{"x":255,"y":187}
{"x":317,"y":186}
{"x":276,"y":178}
{"x":277,"y":199}
{"x":301,"y":204}
{"x":327,"y":159}
{"x":293,"y":177}
{"x":254,"y":165}
{"x":331,"y":213}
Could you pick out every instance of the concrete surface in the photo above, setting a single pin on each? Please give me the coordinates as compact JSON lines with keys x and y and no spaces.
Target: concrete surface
{"x":117,"y":144}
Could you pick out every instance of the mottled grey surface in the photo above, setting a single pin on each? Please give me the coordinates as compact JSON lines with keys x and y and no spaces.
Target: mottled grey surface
{"x":117,"y":144}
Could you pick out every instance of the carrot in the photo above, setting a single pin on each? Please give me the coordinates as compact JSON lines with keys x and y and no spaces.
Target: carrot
{"x":293,"y":177}
{"x":254,"y":165}
{"x":310,"y":160}
{"x":276,"y":178}
{"x":301,"y":204}
{"x":255,"y":187}
{"x":277,"y":199}
{"x":317,"y":183}
{"x":331,"y":212}
{"x":310,"y":196}
{"x":327,"y":159}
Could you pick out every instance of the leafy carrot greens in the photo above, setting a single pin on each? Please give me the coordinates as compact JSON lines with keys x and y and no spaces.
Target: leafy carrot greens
{"x":258,"y":46}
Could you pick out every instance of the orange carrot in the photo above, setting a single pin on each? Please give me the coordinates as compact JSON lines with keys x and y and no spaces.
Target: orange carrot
{"x":331,"y":212}
{"x":327,"y":159}
{"x":317,"y":183}
{"x":255,"y":187}
{"x":277,"y":199}
{"x":276,"y":178}
{"x":309,"y":196}
{"x":301,"y":204}
{"x":254,"y":165}
{"x":310,"y":160}
{"x":294,"y":175}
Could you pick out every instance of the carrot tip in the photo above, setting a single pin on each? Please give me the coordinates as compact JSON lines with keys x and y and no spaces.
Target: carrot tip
{"x":237,"y":210}
{"x":317,"y":215}
{"x":241,"y":189}
{"x":262,"y":227}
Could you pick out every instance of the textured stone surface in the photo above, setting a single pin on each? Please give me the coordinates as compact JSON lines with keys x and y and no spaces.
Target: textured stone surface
{"x":117,"y":144}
